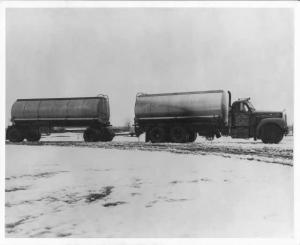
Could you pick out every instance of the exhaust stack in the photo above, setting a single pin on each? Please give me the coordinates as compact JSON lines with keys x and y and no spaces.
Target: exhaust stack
{"x":229,"y":96}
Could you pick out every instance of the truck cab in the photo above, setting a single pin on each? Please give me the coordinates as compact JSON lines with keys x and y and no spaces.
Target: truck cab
{"x":247,"y":122}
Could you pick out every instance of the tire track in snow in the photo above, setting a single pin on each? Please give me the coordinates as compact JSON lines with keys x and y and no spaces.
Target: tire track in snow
{"x":275,"y":154}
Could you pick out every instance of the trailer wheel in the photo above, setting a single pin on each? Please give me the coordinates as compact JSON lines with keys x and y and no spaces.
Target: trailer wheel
{"x":271,"y":134}
{"x":192,"y":136}
{"x":33,"y":135}
{"x":106,"y":134}
{"x":157,"y":135}
{"x":14,"y":134}
{"x":179,"y":134}
{"x":91,"y":135}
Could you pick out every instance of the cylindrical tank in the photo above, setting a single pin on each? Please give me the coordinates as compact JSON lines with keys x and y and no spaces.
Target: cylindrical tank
{"x":198,"y":104}
{"x":83,"y":108}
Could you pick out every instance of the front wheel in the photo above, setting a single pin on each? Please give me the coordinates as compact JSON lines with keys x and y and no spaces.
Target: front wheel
{"x":271,"y":134}
{"x":14,"y":134}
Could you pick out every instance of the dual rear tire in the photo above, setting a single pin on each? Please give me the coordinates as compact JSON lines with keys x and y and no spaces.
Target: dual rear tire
{"x":157,"y":135}
{"x":179,"y":134}
{"x":16,"y":134}
{"x":98,"y":134}
{"x":33,"y":135}
{"x":176,"y":134}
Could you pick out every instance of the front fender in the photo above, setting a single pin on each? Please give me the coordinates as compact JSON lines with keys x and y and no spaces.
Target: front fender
{"x":280,"y":122}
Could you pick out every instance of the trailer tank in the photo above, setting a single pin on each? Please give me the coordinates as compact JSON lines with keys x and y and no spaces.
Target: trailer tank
{"x":202,"y":104}
{"x":72,"y":109}
{"x":32,"y":117}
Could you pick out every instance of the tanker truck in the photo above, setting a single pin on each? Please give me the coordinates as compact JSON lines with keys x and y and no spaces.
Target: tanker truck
{"x":180,"y":117}
{"x":32,"y":117}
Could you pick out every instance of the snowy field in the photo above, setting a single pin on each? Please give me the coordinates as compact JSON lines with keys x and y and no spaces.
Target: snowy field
{"x":62,"y":187}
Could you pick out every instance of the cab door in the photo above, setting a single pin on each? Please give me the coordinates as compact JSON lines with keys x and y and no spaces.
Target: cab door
{"x":240,"y":120}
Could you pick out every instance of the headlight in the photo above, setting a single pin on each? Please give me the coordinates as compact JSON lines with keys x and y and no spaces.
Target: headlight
{"x":283,"y":115}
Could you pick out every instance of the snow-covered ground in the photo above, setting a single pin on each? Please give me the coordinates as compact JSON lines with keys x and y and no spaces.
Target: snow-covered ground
{"x":225,"y":146}
{"x":104,"y":190}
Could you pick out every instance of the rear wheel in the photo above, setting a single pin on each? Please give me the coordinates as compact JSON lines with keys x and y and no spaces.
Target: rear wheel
{"x":14,"y":134}
{"x":33,"y":135}
{"x":106,"y":134}
{"x":271,"y":134}
{"x":157,"y":135}
{"x":98,"y":134}
{"x":91,"y":135}
{"x":179,"y":134}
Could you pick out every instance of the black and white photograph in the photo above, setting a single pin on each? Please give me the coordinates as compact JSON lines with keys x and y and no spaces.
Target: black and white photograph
{"x":149,"y":122}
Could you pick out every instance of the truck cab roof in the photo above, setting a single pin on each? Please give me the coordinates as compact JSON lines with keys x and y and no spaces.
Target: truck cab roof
{"x":243,"y":99}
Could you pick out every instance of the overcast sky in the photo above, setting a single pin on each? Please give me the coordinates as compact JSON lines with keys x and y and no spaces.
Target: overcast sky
{"x":119,"y":52}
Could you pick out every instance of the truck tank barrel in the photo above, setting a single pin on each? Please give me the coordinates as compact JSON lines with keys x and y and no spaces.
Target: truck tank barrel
{"x":188,"y":104}
{"x":82,"y":108}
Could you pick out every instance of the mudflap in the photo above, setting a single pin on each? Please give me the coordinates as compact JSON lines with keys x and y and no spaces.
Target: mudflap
{"x":147,"y":138}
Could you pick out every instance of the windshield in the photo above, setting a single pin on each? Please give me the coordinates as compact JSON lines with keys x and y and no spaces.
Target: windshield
{"x":250,"y":106}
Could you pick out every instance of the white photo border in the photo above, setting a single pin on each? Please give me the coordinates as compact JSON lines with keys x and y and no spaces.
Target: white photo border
{"x":4,"y":5}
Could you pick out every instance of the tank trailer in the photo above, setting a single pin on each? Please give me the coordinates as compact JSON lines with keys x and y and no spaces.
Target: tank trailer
{"x":179,"y":117}
{"x":32,"y":117}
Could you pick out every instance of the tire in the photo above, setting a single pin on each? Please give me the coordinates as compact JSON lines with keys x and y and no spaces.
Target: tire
{"x":178,"y":134}
{"x":106,"y":134}
{"x":91,"y":135}
{"x":192,"y":136}
{"x":157,"y":135}
{"x":33,"y":135}
{"x":271,"y":134}
{"x":14,"y":134}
